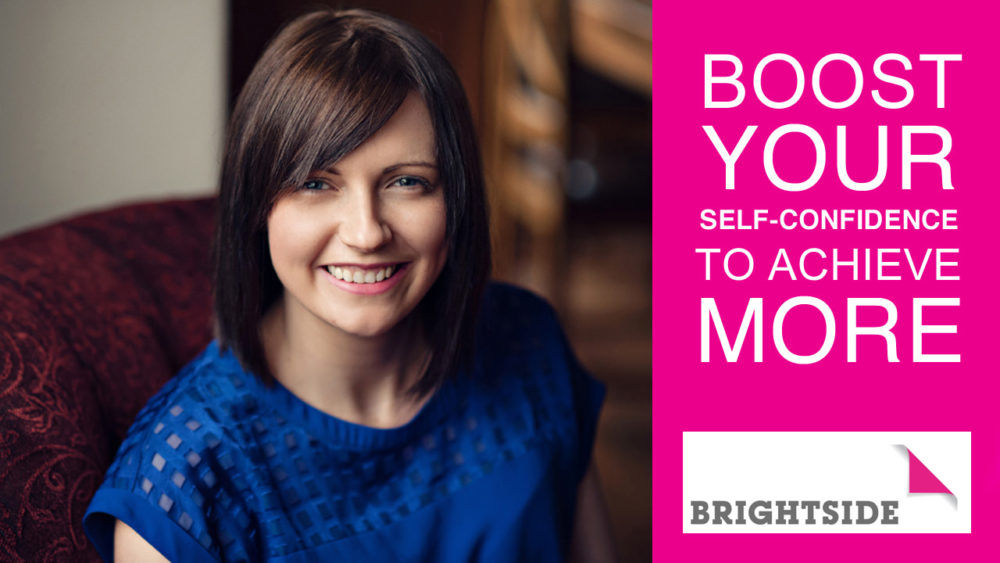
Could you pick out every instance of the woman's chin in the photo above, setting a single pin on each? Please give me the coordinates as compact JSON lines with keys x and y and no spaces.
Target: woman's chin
{"x":369,"y":328}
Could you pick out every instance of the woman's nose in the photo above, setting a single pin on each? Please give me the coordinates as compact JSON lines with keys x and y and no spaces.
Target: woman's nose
{"x":363,"y":229}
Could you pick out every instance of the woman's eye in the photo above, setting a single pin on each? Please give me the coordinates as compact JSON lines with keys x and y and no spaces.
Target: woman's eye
{"x":314,"y":185}
{"x":411,"y":182}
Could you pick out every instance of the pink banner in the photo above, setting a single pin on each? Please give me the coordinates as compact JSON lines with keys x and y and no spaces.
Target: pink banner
{"x":825,"y":215}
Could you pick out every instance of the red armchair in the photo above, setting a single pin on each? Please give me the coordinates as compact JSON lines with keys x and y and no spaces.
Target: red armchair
{"x":96,"y":313}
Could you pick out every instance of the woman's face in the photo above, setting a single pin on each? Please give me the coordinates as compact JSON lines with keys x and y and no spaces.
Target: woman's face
{"x":359,"y":245}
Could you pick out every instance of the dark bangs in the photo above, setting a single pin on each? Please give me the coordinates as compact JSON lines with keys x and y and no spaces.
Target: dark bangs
{"x":325,"y":84}
{"x":318,"y":92}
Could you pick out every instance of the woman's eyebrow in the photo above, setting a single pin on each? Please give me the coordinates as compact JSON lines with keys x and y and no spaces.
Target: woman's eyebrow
{"x":421,"y":163}
{"x":388,"y":169}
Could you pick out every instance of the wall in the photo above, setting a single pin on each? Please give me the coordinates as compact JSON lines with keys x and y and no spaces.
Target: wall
{"x":107,"y":101}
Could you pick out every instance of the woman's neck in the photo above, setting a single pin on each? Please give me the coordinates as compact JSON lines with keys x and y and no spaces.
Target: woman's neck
{"x":364,"y":380}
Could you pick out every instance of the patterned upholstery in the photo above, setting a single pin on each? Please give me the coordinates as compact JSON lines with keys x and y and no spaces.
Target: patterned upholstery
{"x":96,"y":313}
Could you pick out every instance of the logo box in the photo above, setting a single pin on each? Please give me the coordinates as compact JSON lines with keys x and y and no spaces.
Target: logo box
{"x":827,"y":482}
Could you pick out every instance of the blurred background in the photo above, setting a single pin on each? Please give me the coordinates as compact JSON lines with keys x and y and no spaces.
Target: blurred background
{"x":108,"y":101}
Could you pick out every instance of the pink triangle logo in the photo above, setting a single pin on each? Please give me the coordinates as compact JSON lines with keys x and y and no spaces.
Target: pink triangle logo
{"x":922,"y":480}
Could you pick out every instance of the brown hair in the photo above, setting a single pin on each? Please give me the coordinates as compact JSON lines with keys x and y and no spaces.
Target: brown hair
{"x":325,"y":84}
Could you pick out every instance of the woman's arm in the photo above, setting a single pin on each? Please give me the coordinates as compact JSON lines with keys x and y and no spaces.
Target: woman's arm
{"x":129,"y":546}
{"x":591,"y":542}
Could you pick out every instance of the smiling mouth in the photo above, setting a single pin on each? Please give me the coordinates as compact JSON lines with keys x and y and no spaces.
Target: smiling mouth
{"x":361,"y":276}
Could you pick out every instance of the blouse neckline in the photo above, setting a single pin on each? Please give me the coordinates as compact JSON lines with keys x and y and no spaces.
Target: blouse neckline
{"x":337,"y":432}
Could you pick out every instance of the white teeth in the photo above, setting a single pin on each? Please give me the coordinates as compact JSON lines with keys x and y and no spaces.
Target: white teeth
{"x":360,"y":276}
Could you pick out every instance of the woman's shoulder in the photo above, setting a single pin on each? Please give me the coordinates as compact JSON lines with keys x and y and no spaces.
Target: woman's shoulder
{"x":516,"y":312}
{"x":177,"y":457}
{"x":502,"y":294}
{"x":200,"y":413}
{"x":521,"y":345}
{"x":209,"y":391}
{"x":533,"y":379}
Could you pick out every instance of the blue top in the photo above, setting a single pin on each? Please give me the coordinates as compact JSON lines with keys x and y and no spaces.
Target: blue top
{"x":219,"y":466}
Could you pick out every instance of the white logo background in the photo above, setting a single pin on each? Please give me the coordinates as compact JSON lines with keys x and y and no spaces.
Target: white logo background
{"x":821,"y":466}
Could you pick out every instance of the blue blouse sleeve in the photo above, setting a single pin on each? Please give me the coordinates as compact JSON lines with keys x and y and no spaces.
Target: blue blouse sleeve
{"x":165,"y":484}
{"x":588,"y":396}
{"x":569,"y":390}
{"x":585,"y":396}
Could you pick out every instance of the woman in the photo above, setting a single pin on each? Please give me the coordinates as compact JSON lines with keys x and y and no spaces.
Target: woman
{"x":369,"y":397}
